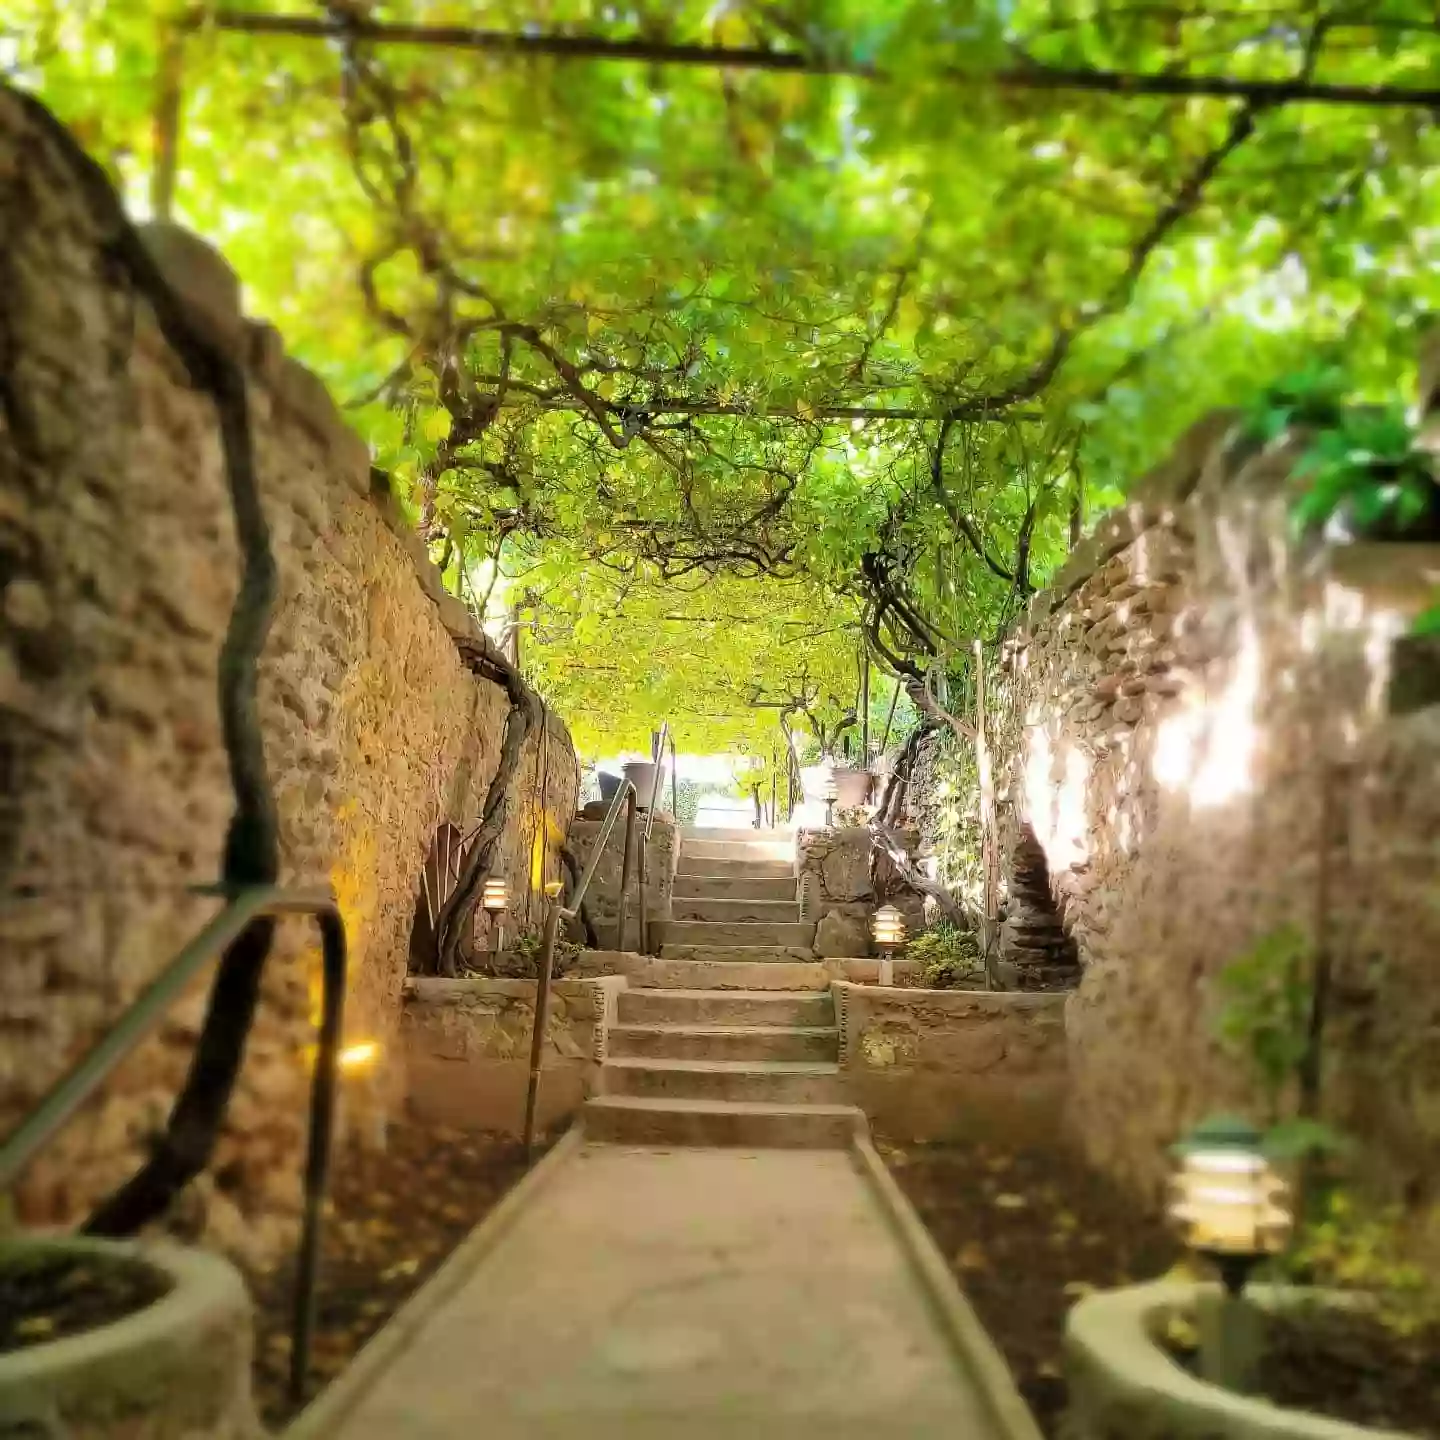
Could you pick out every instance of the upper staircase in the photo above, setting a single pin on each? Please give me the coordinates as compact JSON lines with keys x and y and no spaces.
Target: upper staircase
{"x":734,"y":1040}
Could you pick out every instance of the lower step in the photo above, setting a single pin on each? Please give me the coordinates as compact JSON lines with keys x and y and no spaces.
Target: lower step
{"x":760,"y":1082}
{"x":766,"y":1008}
{"x":733,"y":932}
{"x":631,"y":1120}
{"x":725,"y":1042}
{"x":686,"y":974}
{"x":738,"y":954}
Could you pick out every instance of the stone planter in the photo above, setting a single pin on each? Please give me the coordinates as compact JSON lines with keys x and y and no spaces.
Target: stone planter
{"x":641,"y":774}
{"x":1125,"y":1386}
{"x":177,"y":1369}
{"x":608,"y":783}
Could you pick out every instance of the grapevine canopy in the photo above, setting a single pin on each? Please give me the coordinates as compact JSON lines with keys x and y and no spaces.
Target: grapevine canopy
{"x":733,"y":363}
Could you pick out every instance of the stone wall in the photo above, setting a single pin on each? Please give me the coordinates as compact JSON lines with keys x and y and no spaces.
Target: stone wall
{"x":838,"y":893}
{"x":466,"y":1049}
{"x":603,"y":897}
{"x":119,"y":567}
{"x":948,"y":1064}
{"x":1206,"y":749}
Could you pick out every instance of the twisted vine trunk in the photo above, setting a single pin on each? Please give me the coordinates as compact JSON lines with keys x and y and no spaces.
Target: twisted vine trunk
{"x":457,"y":915}
{"x":587,"y":923}
{"x":251,"y":853}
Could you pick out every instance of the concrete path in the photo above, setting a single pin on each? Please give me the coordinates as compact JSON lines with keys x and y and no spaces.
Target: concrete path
{"x":685,"y":1293}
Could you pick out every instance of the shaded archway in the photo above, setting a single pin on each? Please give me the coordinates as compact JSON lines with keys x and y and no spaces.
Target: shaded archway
{"x":1034,"y":945}
{"x":438,"y":878}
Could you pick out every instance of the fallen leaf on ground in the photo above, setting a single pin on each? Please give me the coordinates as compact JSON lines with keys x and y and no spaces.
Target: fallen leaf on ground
{"x":1010,"y":1202}
{"x":971,"y":1257}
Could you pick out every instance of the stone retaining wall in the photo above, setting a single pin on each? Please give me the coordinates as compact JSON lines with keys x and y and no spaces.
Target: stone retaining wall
{"x":466,"y":1049}
{"x":947,"y":1064}
{"x":603,"y":897}
{"x":1203,"y":727}
{"x":119,"y":568}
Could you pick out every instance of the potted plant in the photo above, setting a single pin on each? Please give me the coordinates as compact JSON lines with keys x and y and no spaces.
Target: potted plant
{"x":1366,"y":478}
{"x":100,"y":1337}
{"x":1363,"y":474}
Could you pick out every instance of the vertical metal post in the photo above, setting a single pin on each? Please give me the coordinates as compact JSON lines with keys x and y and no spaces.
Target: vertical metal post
{"x":542,"y":1024}
{"x":625,"y":868}
{"x":987,"y":824}
{"x":865,"y":709}
{"x":890,"y":718}
{"x":674,"y":782}
{"x":644,"y":903}
{"x":317,"y":1156}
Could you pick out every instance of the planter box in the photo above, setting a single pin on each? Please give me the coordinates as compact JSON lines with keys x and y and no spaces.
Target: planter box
{"x":1125,"y":1386}
{"x":177,"y":1369}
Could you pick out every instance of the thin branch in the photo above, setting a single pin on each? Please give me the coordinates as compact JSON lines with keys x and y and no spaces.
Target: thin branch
{"x":1027,"y":77}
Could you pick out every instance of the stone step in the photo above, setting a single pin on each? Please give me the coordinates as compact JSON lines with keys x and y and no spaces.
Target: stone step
{"x":797,"y":934}
{"x":731,"y":887}
{"x":760,"y":1082}
{"x":733,"y":971}
{"x":738,"y":954}
{"x":736,"y":869}
{"x":767,"y":1008}
{"x":706,"y":907}
{"x":725,"y":1042}
{"x":780,"y":850}
{"x":628,"y":1120}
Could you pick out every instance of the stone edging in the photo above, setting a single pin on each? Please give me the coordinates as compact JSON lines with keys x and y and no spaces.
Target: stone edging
{"x":1116,"y":1369}
{"x":324,"y":1415}
{"x":968,"y":1337}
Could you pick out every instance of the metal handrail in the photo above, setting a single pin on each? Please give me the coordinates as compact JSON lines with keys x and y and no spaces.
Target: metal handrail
{"x":645,"y":842}
{"x":625,"y":795}
{"x":64,"y":1098}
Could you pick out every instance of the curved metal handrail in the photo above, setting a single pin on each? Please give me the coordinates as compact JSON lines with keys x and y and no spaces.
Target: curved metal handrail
{"x":645,"y":842}
{"x":626,"y":796}
{"x":67,"y":1095}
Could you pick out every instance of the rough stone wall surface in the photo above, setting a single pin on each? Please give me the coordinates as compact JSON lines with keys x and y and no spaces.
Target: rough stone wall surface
{"x":1204,"y":748}
{"x":119,"y":567}
{"x":932,"y":1064}
{"x":466,"y":1048}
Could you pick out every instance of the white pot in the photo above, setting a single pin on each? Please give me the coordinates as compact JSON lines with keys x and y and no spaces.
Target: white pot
{"x":852,"y":787}
{"x":641,"y":774}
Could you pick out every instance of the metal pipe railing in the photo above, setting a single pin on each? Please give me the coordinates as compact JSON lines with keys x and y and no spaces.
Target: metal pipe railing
{"x":557,"y":912}
{"x":645,"y":841}
{"x":59,"y":1104}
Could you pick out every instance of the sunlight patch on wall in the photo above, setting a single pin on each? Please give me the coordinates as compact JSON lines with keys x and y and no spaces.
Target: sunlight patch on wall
{"x":1055,"y":792}
{"x":1208,"y":748}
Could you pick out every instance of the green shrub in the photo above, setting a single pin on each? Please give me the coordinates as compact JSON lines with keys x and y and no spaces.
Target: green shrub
{"x":521,"y":958}
{"x":949,"y":958}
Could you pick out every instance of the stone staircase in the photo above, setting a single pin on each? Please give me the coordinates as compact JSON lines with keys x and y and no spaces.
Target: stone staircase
{"x":732,"y":1040}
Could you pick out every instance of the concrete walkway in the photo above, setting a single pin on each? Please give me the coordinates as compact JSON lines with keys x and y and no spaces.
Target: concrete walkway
{"x":685,"y":1293}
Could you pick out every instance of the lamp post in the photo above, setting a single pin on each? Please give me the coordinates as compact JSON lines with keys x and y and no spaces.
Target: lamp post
{"x":888,"y":928}
{"x":496,"y":899}
{"x":1231,"y":1208}
{"x":831,"y":793}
